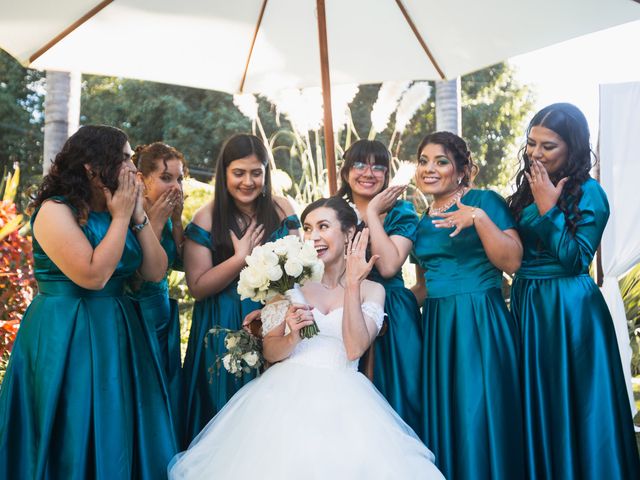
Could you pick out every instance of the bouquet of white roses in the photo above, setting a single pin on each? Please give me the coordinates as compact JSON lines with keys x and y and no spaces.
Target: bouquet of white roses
{"x":244,"y":352}
{"x":275,"y":267}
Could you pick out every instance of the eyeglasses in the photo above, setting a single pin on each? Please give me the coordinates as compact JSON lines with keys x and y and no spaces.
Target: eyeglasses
{"x":376,"y":169}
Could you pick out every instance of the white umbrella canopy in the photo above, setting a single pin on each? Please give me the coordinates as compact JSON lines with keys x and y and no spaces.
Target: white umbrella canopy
{"x":269,"y":45}
{"x":206,"y":43}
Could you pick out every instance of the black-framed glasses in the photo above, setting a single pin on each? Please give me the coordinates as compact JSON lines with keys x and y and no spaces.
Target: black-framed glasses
{"x":376,"y":169}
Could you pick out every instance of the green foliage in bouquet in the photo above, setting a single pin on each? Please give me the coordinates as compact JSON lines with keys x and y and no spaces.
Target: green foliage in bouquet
{"x":244,"y":352}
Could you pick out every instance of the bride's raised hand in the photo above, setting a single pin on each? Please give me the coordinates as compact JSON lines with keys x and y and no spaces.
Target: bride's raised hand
{"x":358,"y":268}
{"x":298,"y":316}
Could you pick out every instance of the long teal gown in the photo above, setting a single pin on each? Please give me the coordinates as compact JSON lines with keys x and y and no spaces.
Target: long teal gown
{"x":397,"y":365}
{"x":471,"y":392}
{"x":207,"y":391}
{"x":162,"y":317}
{"x":84,"y":396}
{"x":578,"y":421}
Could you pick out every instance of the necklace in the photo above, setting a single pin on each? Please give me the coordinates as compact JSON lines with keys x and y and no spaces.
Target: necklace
{"x":339,"y":284}
{"x":435,"y":211}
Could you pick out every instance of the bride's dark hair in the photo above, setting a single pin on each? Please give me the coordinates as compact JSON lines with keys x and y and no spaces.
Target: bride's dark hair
{"x":346,"y":216}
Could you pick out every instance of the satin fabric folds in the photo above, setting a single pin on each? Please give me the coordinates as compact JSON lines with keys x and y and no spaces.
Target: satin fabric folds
{"x":207,"y":390}
{"x":161,"y":315}
{"x":471,"y":391}
{"x":83,"y":396}
{"x":397,"y":371}
{"x":577,"y":417}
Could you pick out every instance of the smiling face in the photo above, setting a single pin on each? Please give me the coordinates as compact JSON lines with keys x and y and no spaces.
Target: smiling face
{"x":323,"y":227}
{"x":436,"y":173}
{"x":245,"y":179}
{"x":547,"y":147}
{"x":367,"y":179}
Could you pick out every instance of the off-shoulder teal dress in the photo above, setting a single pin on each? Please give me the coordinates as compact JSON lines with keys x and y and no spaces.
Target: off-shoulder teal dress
{"x":161,"y":315}
{"x":84,"y":395}
{"x":208,"y":391}
{"x":471,"y":392}
{"x":397,"y":365}
{"x":577,"y":417}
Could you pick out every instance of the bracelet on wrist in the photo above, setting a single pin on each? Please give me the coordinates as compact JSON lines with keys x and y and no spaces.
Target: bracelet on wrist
{"x":136,"y":227}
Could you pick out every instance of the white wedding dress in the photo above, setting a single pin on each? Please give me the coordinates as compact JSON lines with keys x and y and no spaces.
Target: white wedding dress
{"x":311,"y":416}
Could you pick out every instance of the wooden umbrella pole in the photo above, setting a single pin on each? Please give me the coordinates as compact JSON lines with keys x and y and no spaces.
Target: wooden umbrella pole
{"x":329,"y":146}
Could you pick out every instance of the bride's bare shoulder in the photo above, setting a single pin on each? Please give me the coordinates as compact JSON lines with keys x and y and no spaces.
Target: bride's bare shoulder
{"x":372,"y":292}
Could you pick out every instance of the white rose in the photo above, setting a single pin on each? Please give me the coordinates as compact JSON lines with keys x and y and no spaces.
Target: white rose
{"x":245,"y":291}
{"x":230,"y":342}
{"x":293,"y":267}
{"x":255,"y":256}
{"x":251,"y":358}
{"x":280,"y":247}
{"x":226,"y":362}
{"x":308,"y":254}
{"x":274,"y":273}
{"x":233,"y":367}
{"x":256,"y":277}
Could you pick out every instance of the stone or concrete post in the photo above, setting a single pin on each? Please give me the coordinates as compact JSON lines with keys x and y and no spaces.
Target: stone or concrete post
{"x":61,"y":113}
{"x":448,"y":106}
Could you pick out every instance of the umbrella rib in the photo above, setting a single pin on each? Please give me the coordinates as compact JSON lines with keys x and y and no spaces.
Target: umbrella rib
{"x":253,"y":42}
{"x":423,"y":44}
{"x":91,"y":13}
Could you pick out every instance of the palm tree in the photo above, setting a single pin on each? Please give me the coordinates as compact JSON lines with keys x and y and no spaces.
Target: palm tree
{"x":61,"y":113}
{"x":448,"y":106}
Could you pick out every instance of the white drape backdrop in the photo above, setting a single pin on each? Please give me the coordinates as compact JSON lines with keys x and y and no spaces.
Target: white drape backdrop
{"x":620,"y":177}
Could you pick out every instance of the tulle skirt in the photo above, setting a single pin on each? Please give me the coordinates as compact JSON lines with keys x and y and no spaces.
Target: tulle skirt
{"x":302,"y":422}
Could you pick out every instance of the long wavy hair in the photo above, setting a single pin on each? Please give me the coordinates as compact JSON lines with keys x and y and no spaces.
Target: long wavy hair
{"x":458,"y":149}
{"x":147,"y":158}
{"x":225,"y":211}
{"x":362,"y":151}
{"x":97,"y":146}
{"x":568,"y":122}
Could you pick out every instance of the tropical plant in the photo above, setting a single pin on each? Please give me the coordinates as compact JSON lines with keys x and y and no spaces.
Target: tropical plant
{"x":17,"y":283}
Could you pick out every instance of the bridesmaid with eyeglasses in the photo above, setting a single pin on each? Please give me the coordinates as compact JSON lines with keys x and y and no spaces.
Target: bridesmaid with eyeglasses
{"x":392,"y":226}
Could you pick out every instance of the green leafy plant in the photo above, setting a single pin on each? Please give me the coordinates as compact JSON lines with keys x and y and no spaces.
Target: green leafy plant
{"x":630,"y":289}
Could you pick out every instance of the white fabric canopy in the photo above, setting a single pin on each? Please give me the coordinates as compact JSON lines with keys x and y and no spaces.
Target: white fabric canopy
{"x":205,"y":43}
{"x":619,"y":176}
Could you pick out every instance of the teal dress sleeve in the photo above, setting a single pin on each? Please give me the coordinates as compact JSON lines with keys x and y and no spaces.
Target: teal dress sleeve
{"x":289,"y":223}
{"x":198,"y":235}
{"x":575,"y":251}
{"x":402,"y":220}
{"x":497,"y":210}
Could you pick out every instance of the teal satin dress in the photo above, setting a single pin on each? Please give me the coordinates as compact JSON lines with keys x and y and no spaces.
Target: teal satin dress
{"x":161,"y":316}
{"x":397,"y":371}
{"x":208,"y":390}
{"x":577,"y":417}
{"x":471,"y":392}
{"x":84,"y":396}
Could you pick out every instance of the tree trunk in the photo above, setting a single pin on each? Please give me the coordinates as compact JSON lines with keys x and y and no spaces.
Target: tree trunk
{"x":61,"y":113}
{"x":448,"y":106}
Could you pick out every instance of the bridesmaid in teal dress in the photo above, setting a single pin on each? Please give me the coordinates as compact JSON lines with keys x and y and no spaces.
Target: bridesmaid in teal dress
{"x":84,"y":396}
{"x":242,"y":215}
{"x":467,"y":238}
{"x":392,"y":225}
{"x":161,"y":168}
{"x":578,"y":421}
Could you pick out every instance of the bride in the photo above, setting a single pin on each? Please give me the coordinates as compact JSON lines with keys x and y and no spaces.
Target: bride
{"x":312,"y":415}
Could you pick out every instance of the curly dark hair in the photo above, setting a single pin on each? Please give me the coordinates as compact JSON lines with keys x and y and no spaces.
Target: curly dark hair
{"x":567,"y":121}
{"x":458,"y":149}
{"x":146,"y":158}
{"x":363,"y":151}
{"x":225,"y":211}
{"x":97,"y":146}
